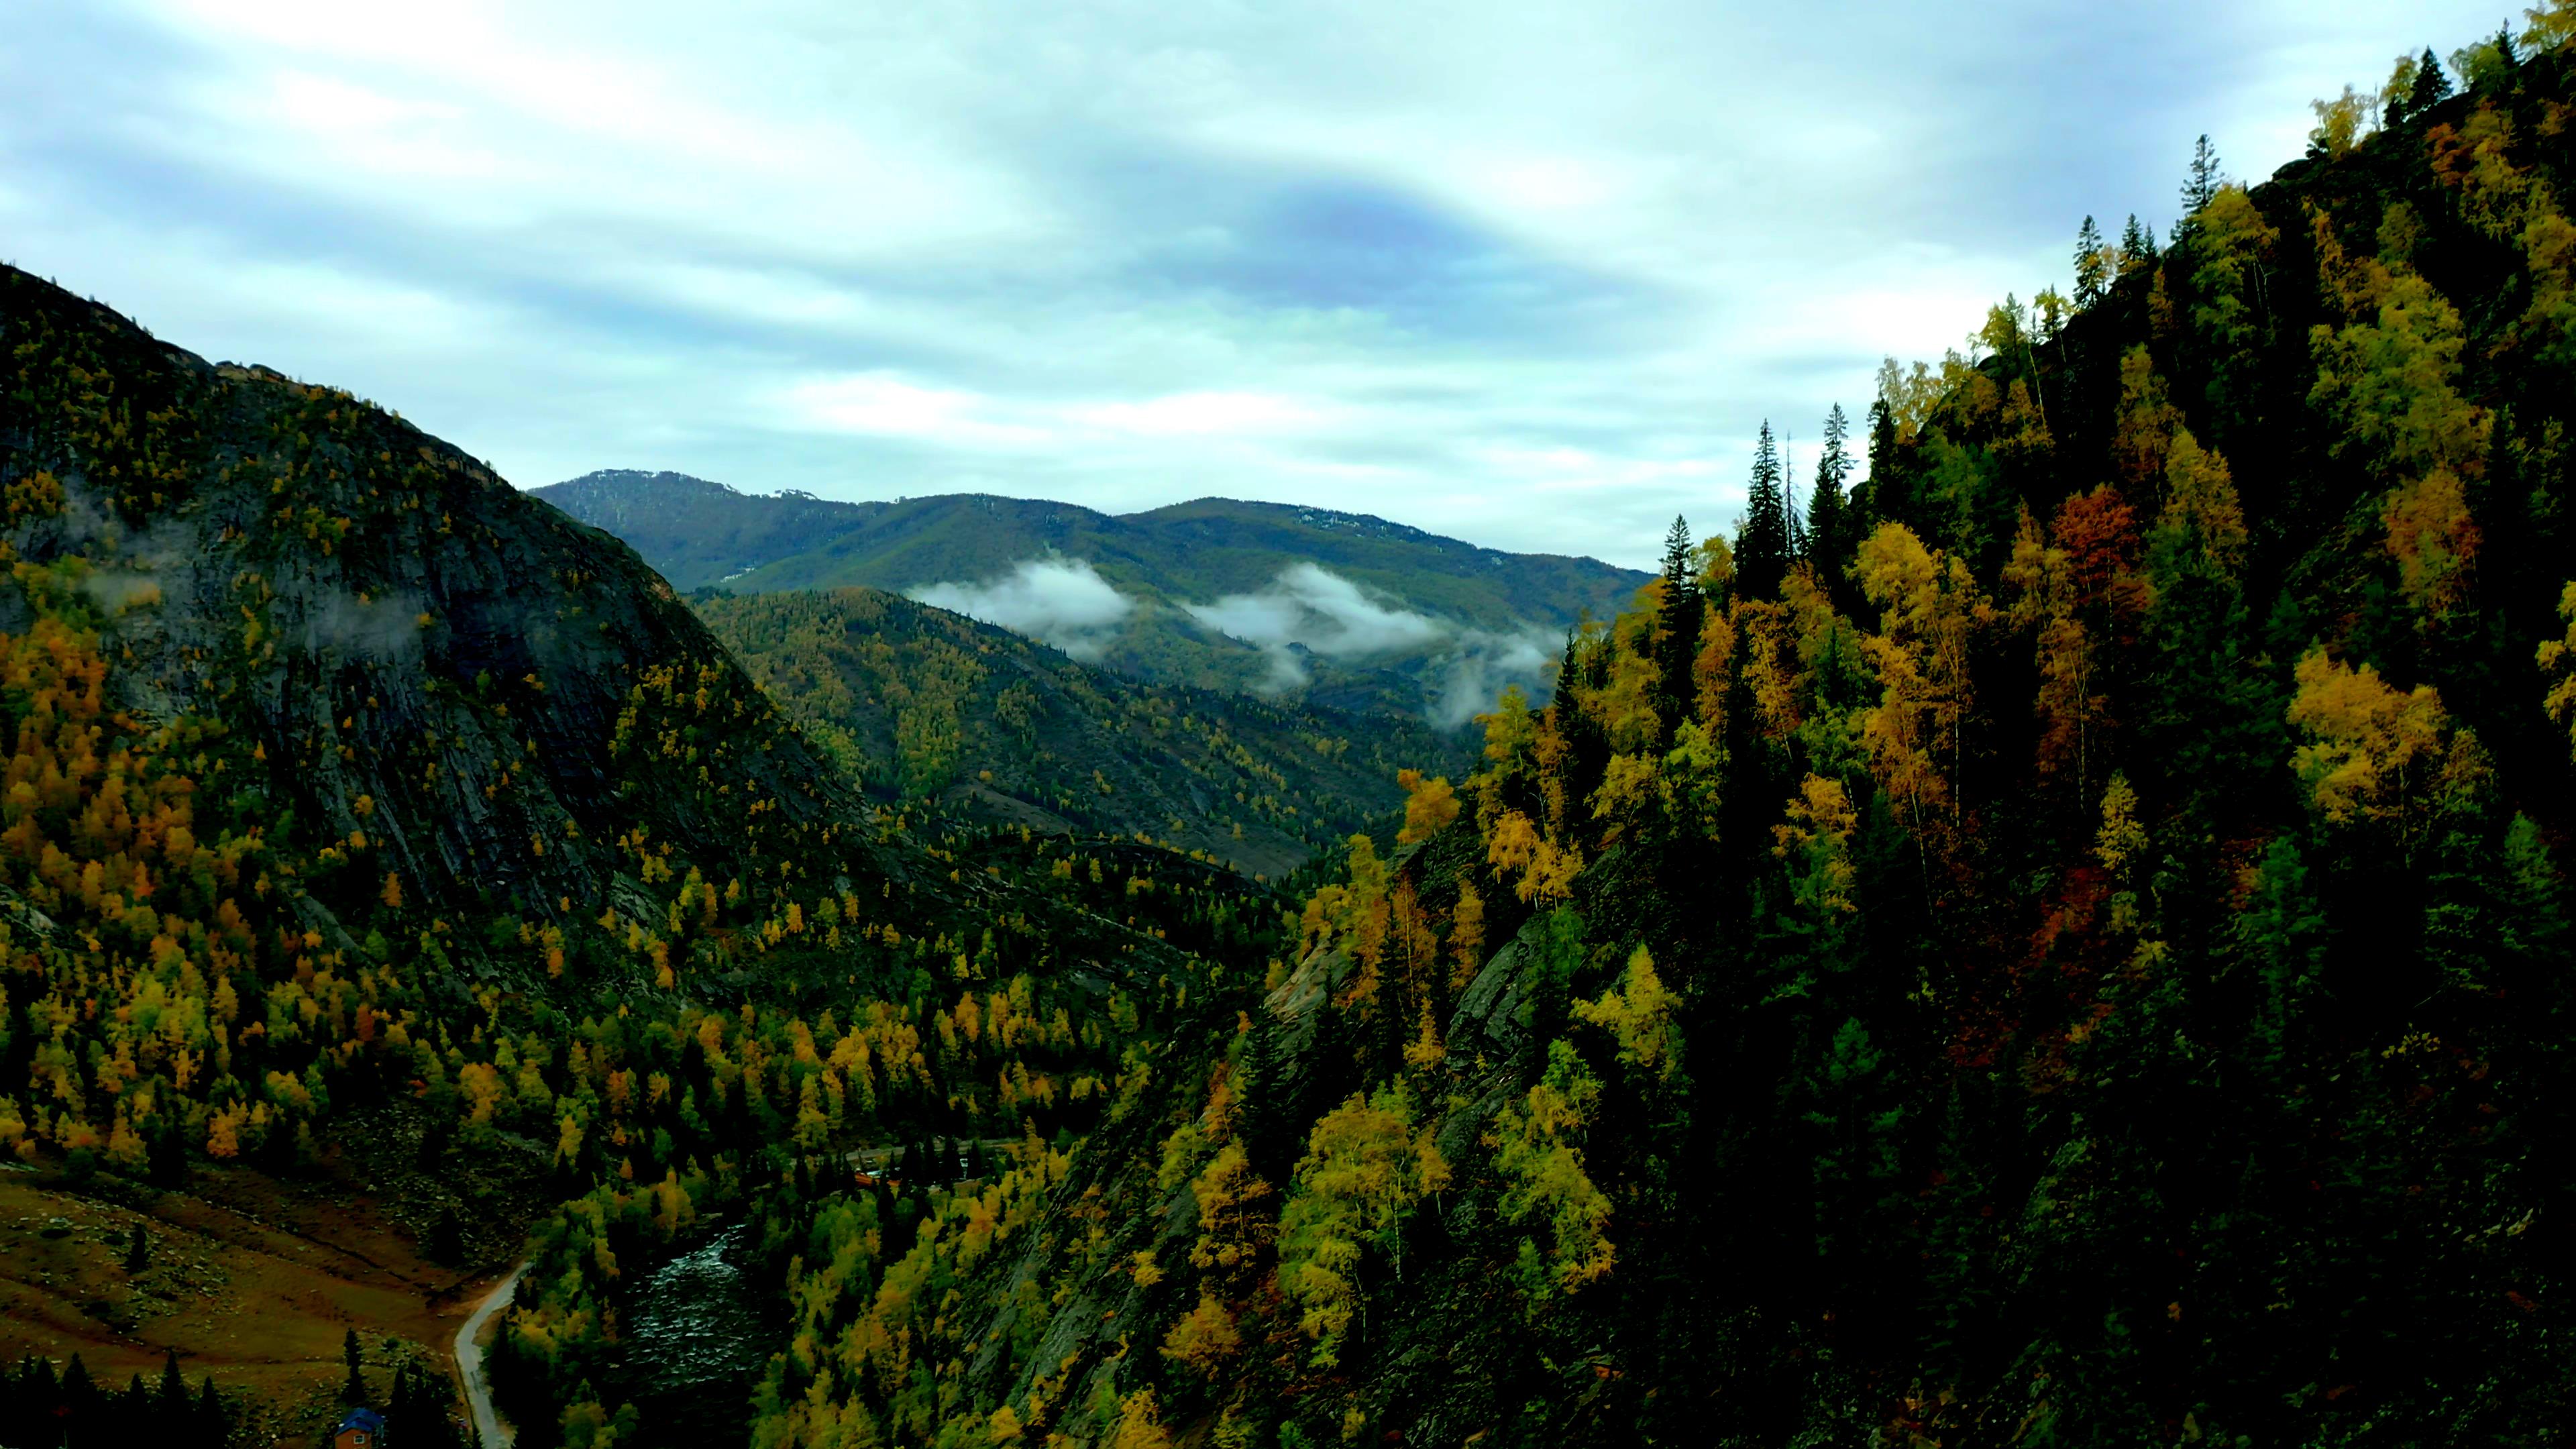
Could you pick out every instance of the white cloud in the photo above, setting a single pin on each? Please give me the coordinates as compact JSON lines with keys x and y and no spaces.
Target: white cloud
{"x":1482,"y":666}
{"x":1554,"y":258}
{"x":1321,"y":611}
{"x":1203,"y":413}
{"x":1310,"y":610}
{"x":891,"y":407}
{"x":1062,"y":601}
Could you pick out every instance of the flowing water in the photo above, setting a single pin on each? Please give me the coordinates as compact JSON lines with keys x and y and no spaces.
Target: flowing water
{"x":697,"y":1335}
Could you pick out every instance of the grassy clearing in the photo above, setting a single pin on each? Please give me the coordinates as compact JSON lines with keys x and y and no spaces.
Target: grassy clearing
{"x":252,"y":1277}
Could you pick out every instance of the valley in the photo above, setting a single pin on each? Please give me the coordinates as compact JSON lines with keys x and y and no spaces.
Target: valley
{"x":2053,"y":929}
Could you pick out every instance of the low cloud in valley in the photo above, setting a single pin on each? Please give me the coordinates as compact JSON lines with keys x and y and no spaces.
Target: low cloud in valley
{"x":1064,"y":602}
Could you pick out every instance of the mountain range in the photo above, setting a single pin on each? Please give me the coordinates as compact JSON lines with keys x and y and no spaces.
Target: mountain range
{"x":1341,"y":610}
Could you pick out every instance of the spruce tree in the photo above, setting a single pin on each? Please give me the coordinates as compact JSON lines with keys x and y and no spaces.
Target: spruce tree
{"x":1826,"y":509}
{"x":1762,"y":541}
{"x":214,"y":1428}
{"x":1876,"y":500}
{"x":2135,"y":245}
{"x":138,"y":1252}
{"x":172,"y":1404}
{"x":2090,"y":277}
{"x":355,"y":1390}
{"x":2200,"y":186}
{"x":1677,"y":629}
{"x":2432,"y":86}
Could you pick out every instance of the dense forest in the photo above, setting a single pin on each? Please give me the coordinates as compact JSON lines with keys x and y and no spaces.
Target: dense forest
{"x":2063,"y":940}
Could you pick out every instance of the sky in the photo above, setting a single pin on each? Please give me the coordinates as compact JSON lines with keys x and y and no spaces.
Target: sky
{"x":1530,"y":275}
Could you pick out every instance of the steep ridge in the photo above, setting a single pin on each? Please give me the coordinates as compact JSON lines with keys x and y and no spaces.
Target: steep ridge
{"x":922,"y":704}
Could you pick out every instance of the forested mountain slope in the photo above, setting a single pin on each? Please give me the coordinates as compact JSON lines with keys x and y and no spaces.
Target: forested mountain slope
{"x":358,"y":802}
{"x":921,"y":704}
{"x":1209,"y":594}
{"x":2065,"y":943}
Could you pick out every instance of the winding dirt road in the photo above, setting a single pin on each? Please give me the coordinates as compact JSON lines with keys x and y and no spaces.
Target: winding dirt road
{"x":489,"y":1431}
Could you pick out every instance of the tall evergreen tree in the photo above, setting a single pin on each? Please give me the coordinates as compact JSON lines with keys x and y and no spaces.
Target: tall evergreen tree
{"x":2432,"y":85}
{"x":1762,"y":541}
{"x":2137,"y":244}
{"x":1677,"y":631}
{"x":214,"y":1427}
{"x":2200,"y":185}
{"x":1827,"y":532}
{"x":1877,"y":498}
{"x":2091,"y":275}
{"x":172,"y":1403}
{"x":355,"y":1390}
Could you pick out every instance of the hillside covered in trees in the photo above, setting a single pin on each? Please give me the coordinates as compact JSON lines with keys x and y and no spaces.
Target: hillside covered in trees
{"x":355,"y":793}
{"x":922,"y":705}
{"x":2064,"y":942}
{"x":2061,"y":941}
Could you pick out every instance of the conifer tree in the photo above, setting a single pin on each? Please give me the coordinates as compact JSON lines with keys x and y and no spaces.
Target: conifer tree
{"x":2137,"y":244}
{"x":2200,"y":186}
{"x":1874,"y":501}
{"x":172,"y":1404}
{"x":2090,"y":271}
{"x":2432,"y":84}
{"x":1828,"y":537}
{"x":1677,"y":631}
{"x":355,"y":1390}
{"x":138,"y":1252}
{"x":214,"y":1426}
{"x":1762,"y":540}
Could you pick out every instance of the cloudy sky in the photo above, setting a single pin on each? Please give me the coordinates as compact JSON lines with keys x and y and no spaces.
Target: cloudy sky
{"x":1530,"y":274}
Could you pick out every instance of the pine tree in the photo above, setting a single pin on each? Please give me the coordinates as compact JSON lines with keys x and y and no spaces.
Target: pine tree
{"x":1828,"y":536}
{"x":2201,"y":185}
{"x":172,"y":1404}
{"x":214,"y":1427}
{"x":138,"y":1252}
{"x":2432,"y":86}
{"x":2090,"y":272}
{"x":2135,"y":245}
{"x":1882,"y":496}
{"x":355,"y":1390}
{"x":1677,"y":631}
{"x":1762,"y":540}
{"x":79,"y":1395}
